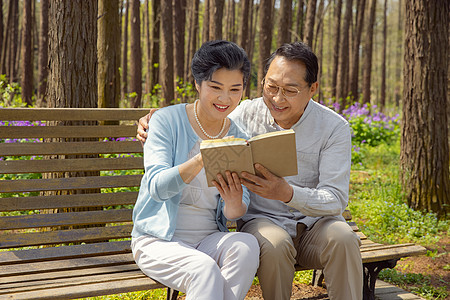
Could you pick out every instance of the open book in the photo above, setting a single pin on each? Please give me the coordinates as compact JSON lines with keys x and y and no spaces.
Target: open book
{"x":274,"y":150}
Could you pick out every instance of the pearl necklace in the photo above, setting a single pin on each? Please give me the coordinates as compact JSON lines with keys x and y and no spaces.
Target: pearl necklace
{"x":201,"y":127}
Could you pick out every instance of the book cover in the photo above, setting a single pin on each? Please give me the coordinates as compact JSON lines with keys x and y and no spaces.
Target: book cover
{"x":274,"y":150}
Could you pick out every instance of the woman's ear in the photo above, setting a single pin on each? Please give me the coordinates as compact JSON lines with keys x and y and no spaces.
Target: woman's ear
{"x":197,"y":86}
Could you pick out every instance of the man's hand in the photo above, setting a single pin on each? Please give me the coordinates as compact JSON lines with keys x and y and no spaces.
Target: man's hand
{"x":143,"y":126}
{"x":268,"y":186}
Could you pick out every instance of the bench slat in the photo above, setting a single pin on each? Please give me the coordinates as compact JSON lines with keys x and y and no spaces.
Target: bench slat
{"x":90,"y":290}
{"x":66,"y":252}
{"x":67,"y":201}
{"x":82,"y":114}
{"x":65,"y":219}
{"x":70,"y":165}
{"x":22,"y":149}
{"x":392,"y":253}
{"x":73,"y":183}
{"x":73,"y":264}
{"x":68,"y":274}
{"x":21,"y":132}
{"x":85,"y":235}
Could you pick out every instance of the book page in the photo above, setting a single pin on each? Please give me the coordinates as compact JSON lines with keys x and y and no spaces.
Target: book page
{"x":276,"y":151}
{"x":234,"y":155}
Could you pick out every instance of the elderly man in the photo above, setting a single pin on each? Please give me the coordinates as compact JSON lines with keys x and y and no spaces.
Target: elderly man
{"x":298,"y":219}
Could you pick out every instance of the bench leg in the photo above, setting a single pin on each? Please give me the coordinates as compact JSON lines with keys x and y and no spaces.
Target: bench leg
{"x":172,"y":294}
{"x":371,"y":271}
{"x":317,"y":279}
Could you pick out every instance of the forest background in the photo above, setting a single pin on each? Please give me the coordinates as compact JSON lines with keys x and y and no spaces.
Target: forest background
{"x":383,"y":66}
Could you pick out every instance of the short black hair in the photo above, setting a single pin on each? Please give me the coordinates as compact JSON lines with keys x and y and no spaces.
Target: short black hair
{"x":301,"y":52}
{"x":214,"y":55}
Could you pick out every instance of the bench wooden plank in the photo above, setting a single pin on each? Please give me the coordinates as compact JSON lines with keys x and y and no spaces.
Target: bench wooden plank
{"x":21,"y":132}
{"x":89,"y":290}
{"x":392,"y":253}
{"x":85,"y":235}
{"x":65,"y":219}
{"x":82,"y":114}
{"x":70,"y":165}
{"x":25,"y":149}
{"x":52,"y":253}
{"x":72,"y":264}
{"x":67,"y":201}
{"x":72,"y":183}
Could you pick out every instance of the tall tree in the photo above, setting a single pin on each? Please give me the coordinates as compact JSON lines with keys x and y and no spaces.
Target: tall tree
{"x":398,"y":55}
{"x":243,"y":37}
{"x":354,"y":66}
{"x":125,"y":50}
{"x":192,"y":38}
{"x":308,"y":32}
{"x":108,"y":50}
{"x":7,"y":40}
{"x":319,"y":51}
{"x":1,"y":27}
{"x":155,"y":43}
{"x":343,"y":69}
{"x":424,"y":153}
{"x":166,"y":59}
{"x":215,"y":19}
{"x":179,"y":25}
{"x":148,"y":65}
{"x":368,"y":49}
{"x":205,"y":32}
{"x":136,"y":53}
{"x":27,"y":61}
{"x":337,"y":42}
{"x":383,"y":60}
{"x":43,"y":55}
{"x":284,"y":21}
{"x":230,"y":32}
{"x":299,"y":21}
{"x":73,"y":54}
{"x":265,"y":38}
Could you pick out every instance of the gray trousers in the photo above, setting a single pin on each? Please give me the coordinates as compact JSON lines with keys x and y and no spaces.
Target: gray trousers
{"x":330,"y":245}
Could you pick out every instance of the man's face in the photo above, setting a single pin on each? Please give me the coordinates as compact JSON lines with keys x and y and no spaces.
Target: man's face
{"x":287,"y":74}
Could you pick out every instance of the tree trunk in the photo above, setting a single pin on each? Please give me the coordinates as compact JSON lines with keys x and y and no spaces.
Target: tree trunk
{"x":320,"y":50}
{"x":108,"y":47}
{"x":342,"y":75}
{"x":284,"y":22}
{"x":354,"y":71}
{"x":2,"y":29}
{"x":308,"y":32}
{"x":136,"y":53}
{"x":337,"y":42}
{"x":243,"y":40}
{"x":265,"y":38}
{"x":368,"y":46}
{"x":148,"y":65}
{"x":154,"y":50}
{"x":424,"y":143}
{"x":383,"y":60}
{"x":179,"y":26}
{"x":299,"y":21}
{"x":43,"y":55}
{"x":125,"y":51}
{"x":398,"y":55}
{"x":73,"y":67}
{"x":166,"y":58}
{"x":14,"y":42}
{"x":205,"y":32}
{"x":215,"y":19}
{"x":192,"y":40}
{"x":27,"y":62}
{"x":7,"y":40}
{"x":253,"y":11}
{"x":230,"y":28}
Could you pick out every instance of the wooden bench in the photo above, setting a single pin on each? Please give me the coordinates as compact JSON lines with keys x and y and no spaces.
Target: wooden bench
{"x":65,"y":224}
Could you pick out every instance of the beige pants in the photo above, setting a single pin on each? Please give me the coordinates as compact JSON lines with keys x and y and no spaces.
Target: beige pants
{"x":330,"y":245}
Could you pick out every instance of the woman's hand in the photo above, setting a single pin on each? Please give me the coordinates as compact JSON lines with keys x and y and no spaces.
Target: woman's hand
{"x":231,"y":193}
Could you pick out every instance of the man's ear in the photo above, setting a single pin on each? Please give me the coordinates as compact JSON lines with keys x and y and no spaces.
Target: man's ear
{"x":313,"y":88}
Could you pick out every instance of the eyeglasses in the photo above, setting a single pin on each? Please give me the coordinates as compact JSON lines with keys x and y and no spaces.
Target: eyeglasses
{"x":272,"y":89}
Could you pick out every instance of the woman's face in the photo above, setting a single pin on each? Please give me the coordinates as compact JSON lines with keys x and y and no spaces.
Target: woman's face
{"x":220,"y":95}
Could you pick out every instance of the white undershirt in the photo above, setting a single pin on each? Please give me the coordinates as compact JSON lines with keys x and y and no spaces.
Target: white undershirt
{"x":196,"y":217}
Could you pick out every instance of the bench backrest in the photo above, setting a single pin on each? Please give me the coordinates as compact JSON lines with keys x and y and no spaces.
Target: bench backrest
{"x":71,"y":200}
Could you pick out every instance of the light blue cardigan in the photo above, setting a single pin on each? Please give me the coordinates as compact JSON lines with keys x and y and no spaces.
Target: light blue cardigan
{"x":169,"y":141}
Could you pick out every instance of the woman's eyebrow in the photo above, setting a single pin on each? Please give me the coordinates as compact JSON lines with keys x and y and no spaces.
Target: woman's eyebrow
{"x":216,"y":82}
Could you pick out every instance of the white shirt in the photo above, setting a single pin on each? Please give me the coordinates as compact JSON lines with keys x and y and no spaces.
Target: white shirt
{"x":323,"y":141}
